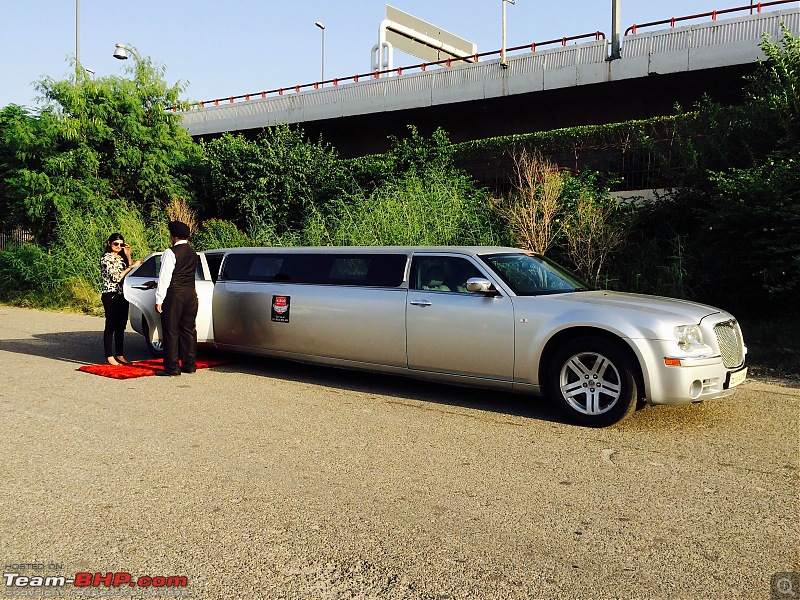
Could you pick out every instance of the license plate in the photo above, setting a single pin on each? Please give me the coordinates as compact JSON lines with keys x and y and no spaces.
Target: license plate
{"x":737,"y":377}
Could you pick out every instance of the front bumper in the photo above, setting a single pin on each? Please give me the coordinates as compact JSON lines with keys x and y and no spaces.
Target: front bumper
{"x":681,"y":380}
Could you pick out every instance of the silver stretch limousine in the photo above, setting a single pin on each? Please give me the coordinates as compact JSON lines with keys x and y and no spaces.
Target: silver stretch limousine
{"x":494,"y":317}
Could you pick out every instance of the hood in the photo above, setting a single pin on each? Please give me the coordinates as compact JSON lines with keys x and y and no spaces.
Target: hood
{"x":654,"y":306}
{"x":627,"y":315}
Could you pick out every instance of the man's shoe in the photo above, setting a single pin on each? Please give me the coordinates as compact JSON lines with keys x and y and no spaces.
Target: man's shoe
{"x":189,"y":370}
{"x":166,"y":374}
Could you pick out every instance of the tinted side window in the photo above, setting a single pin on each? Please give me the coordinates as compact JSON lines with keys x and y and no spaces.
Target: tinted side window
{"x":379,"y":270}
{"x":149,"y":268}
{"x":251,"y":267}
{"x":198,"y":270}
{"x":214,"y":261}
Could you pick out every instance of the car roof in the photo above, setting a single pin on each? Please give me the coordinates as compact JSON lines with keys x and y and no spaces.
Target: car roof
{"x":468,"y":250}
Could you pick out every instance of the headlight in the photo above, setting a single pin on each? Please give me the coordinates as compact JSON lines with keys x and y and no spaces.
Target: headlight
{"x":688,"y":337}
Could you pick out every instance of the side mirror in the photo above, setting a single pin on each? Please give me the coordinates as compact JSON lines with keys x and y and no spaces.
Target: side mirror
{"x":478,"y":285}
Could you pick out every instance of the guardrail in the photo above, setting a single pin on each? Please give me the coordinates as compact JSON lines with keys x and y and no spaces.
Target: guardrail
{"x":632,"y":30}
{"x":421,"y":67}
{"x":597,"y":35}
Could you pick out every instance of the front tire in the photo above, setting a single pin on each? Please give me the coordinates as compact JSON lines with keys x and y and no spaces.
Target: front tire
{"x":593,"y":381}
{"x":155,"y":348}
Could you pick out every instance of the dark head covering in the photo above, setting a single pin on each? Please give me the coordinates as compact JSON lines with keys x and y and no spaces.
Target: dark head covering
{"x":179,"y":230}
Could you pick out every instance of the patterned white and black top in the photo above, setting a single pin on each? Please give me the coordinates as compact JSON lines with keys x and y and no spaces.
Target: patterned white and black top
{"x":111,"y":267}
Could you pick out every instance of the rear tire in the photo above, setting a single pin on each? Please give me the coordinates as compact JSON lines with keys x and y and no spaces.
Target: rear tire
{"x":593,"y":381}
{"x":155,"y":348}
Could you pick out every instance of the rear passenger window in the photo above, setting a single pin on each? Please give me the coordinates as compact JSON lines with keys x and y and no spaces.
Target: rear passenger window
{"x":378,"y":270}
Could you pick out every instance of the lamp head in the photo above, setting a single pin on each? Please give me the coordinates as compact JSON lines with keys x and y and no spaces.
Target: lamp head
{"x":121,"y":52}
{"x":320,"y":25}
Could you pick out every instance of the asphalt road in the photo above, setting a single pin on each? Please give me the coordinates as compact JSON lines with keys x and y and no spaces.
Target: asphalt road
{"x":266,"y":479}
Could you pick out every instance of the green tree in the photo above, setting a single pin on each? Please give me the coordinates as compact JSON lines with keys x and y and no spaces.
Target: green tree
{"x":272,"y":181}
{"x":94,"y":142}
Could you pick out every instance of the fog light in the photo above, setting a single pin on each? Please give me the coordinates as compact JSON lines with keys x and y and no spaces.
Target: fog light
{"x":695,"y":389}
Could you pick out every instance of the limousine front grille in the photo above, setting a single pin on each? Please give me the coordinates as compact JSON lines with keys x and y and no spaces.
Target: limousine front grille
{"x":731,"y":347}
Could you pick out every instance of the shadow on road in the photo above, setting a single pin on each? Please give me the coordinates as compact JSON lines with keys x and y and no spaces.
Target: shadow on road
{"x":82,"y":347}
{"x":86,"y":347}
{"x":402,"y":388}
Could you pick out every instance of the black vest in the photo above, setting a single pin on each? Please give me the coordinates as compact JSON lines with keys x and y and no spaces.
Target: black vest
{"x":185,"y":266}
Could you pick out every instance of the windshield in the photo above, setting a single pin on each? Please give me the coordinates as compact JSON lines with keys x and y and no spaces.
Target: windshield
{"x":532,"y":275}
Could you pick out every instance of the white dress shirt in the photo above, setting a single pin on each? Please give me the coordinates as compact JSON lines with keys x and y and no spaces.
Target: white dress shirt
{"x":165,"y":274}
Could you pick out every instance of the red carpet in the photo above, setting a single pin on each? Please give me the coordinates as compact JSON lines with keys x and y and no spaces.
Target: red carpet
{"x":142,"y":368}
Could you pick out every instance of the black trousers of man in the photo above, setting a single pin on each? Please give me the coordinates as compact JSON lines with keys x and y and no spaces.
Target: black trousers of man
{"x":178,"y":315}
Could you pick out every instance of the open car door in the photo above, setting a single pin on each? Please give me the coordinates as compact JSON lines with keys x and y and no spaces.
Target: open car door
{"x":139,"y":288}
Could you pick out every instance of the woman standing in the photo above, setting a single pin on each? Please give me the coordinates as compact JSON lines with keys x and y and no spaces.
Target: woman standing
{"x":114,"y":265}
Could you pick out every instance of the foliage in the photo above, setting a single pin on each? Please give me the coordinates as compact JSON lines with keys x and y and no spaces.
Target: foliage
{"x":92,"y":143}
{"x":774,"y":89}
{"x":218,"y":233}
{"x":433,"y":210}
{"x":741,"y":221}
{"x":533,"y":207}
{"x":275,"y":179}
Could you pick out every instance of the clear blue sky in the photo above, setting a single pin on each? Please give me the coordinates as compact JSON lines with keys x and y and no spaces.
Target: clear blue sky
{"x":224,"y":48}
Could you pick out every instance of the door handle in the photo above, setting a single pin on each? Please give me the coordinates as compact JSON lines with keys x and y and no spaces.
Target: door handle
{"x":419,"y":303}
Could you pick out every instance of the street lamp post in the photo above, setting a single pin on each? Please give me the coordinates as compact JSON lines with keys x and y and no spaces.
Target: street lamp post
{"x":503,"y":60}
{"x":77,"y":39}
{"x":322,"y":28}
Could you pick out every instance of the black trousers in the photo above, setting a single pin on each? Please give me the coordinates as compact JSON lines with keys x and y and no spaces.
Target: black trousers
{"x":178,"y":315}
{"x":116,"y":308}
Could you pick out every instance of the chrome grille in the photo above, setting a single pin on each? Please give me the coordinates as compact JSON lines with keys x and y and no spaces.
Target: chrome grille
{"x":729,"y":338}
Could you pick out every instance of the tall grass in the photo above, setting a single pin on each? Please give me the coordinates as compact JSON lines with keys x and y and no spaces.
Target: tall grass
{"x":68,"y":273}
{"x":417,"y":209}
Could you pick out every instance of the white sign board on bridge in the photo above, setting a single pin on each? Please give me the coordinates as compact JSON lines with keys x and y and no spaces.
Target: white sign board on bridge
{"x":424,"y":40}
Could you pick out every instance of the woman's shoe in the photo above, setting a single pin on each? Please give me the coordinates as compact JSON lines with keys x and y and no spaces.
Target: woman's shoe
{"x":113,"y":361}
{"x":123,"y":361}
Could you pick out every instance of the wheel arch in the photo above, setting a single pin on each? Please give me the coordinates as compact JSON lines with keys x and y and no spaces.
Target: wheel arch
{"x":572,"y":333}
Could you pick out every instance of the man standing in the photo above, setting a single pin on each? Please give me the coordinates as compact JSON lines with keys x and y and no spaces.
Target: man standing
{"x":176,"y":300}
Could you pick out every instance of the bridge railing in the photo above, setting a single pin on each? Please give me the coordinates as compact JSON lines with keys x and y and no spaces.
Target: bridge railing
{"x":633,"y":29}
{"x":421,"y":67}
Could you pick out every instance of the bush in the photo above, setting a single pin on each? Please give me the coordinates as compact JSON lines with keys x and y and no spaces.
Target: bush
{"x":434,"y":209}
{"x":218,"y":233}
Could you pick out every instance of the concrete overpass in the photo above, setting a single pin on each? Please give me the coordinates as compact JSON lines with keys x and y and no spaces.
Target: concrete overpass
{"x":539,"y":90}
